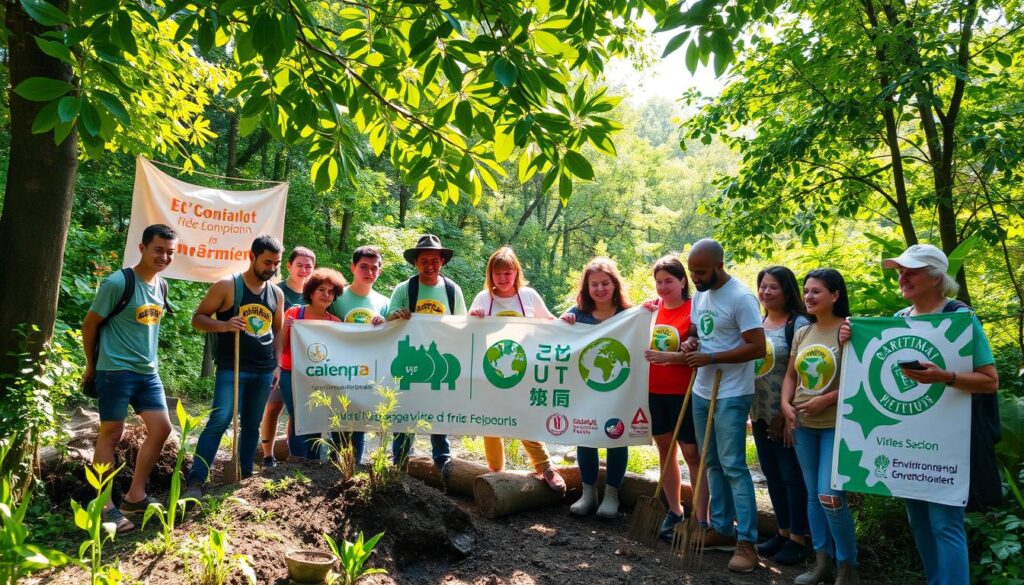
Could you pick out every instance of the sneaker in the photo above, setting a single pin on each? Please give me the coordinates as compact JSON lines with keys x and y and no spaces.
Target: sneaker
{"x":135,"y":507}
{"x":553,"y":479}
{"x":194,"y":490}
{"x":269,"y":462}
{"x":744,"y":560}
{"x":772,"y":545}
{"x":668,"y":526}
{"x":715,"y":541}
{"x":121,"y":523}
{"x":792,"y":553}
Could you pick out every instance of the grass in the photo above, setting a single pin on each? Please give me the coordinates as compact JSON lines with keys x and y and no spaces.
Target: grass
{"x":272,"y":489}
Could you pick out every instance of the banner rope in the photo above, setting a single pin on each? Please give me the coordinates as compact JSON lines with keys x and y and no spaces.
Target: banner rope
{"x":170,"y":166}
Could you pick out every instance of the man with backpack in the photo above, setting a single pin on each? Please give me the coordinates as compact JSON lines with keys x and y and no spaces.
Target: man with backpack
{"x":120,"y":334}
{"x":249,"y":305}
{"x":433,"y":294}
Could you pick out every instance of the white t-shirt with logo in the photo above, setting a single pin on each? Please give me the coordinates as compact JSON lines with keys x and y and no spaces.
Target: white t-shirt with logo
{"x":528,"y":303}
{"x":721,"y":317}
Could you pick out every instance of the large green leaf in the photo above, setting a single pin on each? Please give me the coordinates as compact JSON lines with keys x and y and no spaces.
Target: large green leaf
{"x":45,"y":13}
{"x":42,"y":89}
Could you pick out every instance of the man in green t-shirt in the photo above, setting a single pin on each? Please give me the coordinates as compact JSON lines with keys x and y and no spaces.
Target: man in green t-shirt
{"x":125,"y":365}
{"x":431,"y":294}
{"x":359,"y":303}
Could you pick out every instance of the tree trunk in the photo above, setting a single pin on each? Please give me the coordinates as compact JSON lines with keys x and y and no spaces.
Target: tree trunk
{"x":37,"y":200}
{"x":231,"y":169}
{"x":346,"y":227}
{"x":404,"y":195}
{"x":278,"y":164}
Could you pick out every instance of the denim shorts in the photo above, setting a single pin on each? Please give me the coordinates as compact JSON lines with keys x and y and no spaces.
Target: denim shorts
{"x":116,"y":390}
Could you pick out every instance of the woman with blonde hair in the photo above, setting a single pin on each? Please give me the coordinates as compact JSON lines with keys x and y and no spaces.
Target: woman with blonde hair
{"x":505,"y":294}
{"x":600,"y":296}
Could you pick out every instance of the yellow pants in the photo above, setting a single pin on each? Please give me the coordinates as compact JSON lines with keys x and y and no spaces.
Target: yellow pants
{"x":494,"y":449}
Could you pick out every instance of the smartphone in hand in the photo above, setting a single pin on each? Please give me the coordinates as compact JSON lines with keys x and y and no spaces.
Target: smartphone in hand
{"x":910,"y":365}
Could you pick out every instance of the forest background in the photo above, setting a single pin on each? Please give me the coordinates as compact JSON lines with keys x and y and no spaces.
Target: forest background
{"x":841,"y":133}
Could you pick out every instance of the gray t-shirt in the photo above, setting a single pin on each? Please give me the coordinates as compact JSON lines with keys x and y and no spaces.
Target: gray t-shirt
{"x":771,"y":370}
{"x":721,"y":317}
{"x":128,"y":341}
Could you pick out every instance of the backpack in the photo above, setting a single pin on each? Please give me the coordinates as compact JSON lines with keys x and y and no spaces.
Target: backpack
{"x":414,"y":292}
{"x":89,"y":387}
{"x":986,"y":486}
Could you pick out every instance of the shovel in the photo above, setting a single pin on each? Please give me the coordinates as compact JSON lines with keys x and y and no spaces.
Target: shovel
{"x":688,"y":541}
{"x":650,"y":510}
{"x":232,"y":472}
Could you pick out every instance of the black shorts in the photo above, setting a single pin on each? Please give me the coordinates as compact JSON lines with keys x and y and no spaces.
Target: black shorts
{"x":664,"y":413}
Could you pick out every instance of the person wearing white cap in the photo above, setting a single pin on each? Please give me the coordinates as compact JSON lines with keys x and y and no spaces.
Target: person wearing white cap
{"x":939,"y":529}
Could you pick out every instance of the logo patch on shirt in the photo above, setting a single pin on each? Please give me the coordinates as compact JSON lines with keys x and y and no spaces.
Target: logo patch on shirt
{"x":149,"y":314}
{"x":359,"y":315}
{"x":258,"y":322}
{"x":665,"y":338}
{"x":508,"y":314}
{"x":429,"y":307}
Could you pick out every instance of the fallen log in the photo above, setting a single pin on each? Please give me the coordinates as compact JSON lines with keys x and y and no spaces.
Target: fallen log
{"x":460,"y":479}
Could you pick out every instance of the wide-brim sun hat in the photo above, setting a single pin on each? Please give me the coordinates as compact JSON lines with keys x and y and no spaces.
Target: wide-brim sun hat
{"x":428,"y":242}
{"x":919,"y":256}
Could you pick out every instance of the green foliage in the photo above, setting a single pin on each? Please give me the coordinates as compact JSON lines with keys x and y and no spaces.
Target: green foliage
{"x":175,"y":503}
{"x":994,"y":538}
{"x":90,"y":519}
{"x":353,"y":557}
{"x":18,"y":556}
{"x":273,"y":489}
{"x":341,"y":456}
{"x":1010,"y":448}
{"x":884,"y":538}
{"x":216,"y":563}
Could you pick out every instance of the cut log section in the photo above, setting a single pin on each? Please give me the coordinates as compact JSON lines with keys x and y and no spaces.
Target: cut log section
{"x":460,"y":479}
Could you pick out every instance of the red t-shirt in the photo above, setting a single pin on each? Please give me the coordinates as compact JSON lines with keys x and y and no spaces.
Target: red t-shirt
{"x":286,"y":352}
{"x":670,"y":329}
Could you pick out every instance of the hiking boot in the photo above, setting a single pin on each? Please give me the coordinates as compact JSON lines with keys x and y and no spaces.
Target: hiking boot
{"x":668,"y":526}
{"x":715,"y":541}
{"x":135,"y":507}
{"x":792,"y":553}
{"x":609,"y":507}
{"x":771,"y":546}
{"x":822,"y":570}
{"x":847,"y":574}
{"x":121,"y":524}
{"x":269,"y":462}
{"x":586,"y":503}
{"x":744,"y":560}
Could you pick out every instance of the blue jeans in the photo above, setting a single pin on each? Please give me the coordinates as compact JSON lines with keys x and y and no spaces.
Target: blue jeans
{"x":830,"y":524}
{"x":440,"y":449}
{"x":356,"y":438}
{"x":586,"y":459}
{"x":729,"y":481}
{"x":941,"y":541}
{"x":115,"y":390}
{"x":253,"y":388}
{"x":785,"y":480}
{"x":298,"y":445}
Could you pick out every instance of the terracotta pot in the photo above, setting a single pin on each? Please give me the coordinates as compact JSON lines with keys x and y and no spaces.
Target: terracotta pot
{"x":309,"y":566}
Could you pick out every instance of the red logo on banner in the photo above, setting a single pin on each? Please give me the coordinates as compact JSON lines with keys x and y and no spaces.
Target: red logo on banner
{"x":640,"y":418}
{"x":557,"y":424}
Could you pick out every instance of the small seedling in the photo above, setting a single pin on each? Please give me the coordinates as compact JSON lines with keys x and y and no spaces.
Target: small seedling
{"x":353,"y":557}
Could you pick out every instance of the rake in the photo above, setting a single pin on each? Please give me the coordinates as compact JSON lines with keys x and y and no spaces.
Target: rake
{"x":232,"y":473}
{"x":650,"y":510}
{"x":688,"y":541}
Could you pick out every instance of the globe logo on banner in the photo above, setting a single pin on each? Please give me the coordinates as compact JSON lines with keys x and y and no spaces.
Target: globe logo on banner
{"x":604,"y":364}
{"x":505,"y":363}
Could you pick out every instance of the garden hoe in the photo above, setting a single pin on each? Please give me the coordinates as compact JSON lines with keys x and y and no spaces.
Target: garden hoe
{"x":232,"y":474}
{"x":688,"y":541}
{"x":650,"y":510}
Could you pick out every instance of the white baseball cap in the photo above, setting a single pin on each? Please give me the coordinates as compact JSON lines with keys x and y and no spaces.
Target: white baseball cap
{"x":919,"y":256}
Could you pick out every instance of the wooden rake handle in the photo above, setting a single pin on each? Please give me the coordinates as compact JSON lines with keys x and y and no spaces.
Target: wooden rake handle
{"x":675,"y":433}
{"x":698,"y":481}
{"x":234,"y":409}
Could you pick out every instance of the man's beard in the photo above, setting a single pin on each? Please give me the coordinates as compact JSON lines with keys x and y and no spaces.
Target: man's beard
{"x":710,"y":284}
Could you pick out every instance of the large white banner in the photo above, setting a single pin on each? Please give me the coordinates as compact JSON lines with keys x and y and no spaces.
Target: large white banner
{"x":894,"y":436}
{"x":215,"y":227}
{"x":505,"y":377}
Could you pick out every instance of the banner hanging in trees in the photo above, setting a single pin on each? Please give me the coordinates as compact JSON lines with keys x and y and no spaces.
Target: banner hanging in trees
{"x":215,"y":227}
{"x":500,"y":377}
{"x":894,"y":436}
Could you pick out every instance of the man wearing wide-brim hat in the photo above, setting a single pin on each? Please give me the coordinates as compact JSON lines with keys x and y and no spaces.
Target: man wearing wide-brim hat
{"x":427,"y":292}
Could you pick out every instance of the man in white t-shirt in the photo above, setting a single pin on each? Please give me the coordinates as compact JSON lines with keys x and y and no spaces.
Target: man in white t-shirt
{"x":726,"y":335}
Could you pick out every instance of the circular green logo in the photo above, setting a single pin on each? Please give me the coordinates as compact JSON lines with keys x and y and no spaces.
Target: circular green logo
{"x":891,"y":387}
{"x":604,"y":364}
{"x":707,"y":324}
{"x":505,"y":363}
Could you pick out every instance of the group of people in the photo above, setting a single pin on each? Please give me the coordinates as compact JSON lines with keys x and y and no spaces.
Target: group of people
{"x":756,"y":343}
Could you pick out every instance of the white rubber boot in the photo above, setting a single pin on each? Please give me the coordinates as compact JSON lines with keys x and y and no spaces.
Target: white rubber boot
{"x":586,"y":503}
{"x":610,"y":504}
